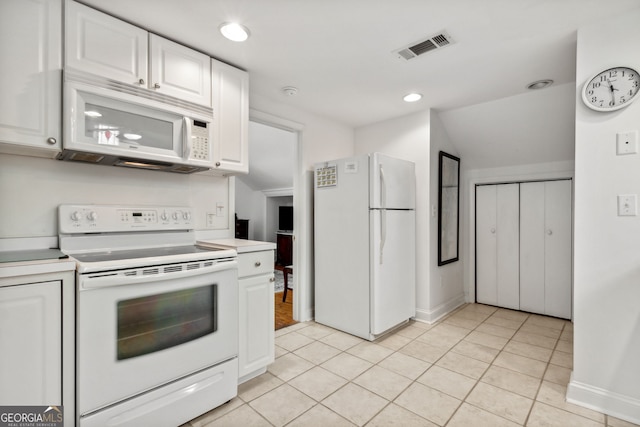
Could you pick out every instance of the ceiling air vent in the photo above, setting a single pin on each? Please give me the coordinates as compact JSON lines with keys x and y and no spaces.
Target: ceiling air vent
{"x":436,"y":41}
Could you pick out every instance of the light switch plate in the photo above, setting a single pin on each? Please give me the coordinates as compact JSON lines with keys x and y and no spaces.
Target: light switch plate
{"x":627,"y":142}
{"x":627,"y":205}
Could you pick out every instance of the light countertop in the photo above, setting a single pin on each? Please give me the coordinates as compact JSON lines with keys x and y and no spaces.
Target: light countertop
{"x":240,"y":245}
{"x":30,"y":262}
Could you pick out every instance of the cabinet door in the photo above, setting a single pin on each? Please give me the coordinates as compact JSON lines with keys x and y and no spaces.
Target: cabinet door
{"x":103,"y":45}
{"x":508,"y":235}
{"x":31,"y":342}
{"x":532,"y":247}
{"x":497,"y":228}
{"x":31,"y":70}
{"x":257,"y":332}
{"x":179,"y":71}
{"x":230,"y":88}
{"x":486,"y":245}
{"x":557,"y":249}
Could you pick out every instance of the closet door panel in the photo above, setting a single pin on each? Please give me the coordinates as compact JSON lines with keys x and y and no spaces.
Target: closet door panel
{"x":532,"y":247}
{"x":486,"y":261}
{"x":508,"y":265}
{"x":558,"y":249}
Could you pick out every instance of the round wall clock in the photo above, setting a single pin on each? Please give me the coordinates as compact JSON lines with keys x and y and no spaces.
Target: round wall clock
{"x":611,"y":89}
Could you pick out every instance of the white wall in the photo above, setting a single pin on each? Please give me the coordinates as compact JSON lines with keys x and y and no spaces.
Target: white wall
{"x":407,"y":138}
{"x":251,"y":205}
{"x":606,"y":373}
{"x":32,"y":188}
{"x":447,"y":286}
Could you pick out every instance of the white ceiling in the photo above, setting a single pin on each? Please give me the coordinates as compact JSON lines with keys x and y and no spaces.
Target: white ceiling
{"x":338,"y":53}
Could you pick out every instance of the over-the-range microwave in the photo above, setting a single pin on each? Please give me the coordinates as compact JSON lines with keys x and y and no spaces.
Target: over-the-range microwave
{"x":111,"y":123}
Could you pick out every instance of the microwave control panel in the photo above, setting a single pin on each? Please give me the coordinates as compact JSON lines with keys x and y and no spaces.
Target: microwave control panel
{"x":200,"y":141}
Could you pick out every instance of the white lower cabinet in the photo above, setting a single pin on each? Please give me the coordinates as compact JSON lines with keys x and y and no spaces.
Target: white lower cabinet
{"x":37,"y":335}
{"x":256,"y":323}
{"x":523,"y":246}
{"x":31,"y":342}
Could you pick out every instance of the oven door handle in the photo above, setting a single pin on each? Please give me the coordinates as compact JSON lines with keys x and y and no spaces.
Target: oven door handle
{"x":148,"y":274}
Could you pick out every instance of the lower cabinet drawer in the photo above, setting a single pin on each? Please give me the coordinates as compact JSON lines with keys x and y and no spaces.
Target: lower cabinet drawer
{"x":252,"y":263}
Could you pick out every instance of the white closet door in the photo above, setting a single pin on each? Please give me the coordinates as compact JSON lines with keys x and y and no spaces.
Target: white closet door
{"x":497,"y":267}
{"x":508,"y":236}
{"x":532,"y":247}
{"x":557,"y":251}
{"x":486,"y":244}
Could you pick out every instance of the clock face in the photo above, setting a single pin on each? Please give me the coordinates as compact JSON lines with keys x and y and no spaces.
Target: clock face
{"x":611,"y":89}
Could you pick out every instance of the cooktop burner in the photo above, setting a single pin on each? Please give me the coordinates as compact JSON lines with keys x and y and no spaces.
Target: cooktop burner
{"x":142,"y":253}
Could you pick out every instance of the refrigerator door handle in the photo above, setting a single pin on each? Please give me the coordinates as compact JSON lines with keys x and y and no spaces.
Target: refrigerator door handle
{"x":383,"y":190}
{"x":383,"y":213}
{"x":383,"y":231}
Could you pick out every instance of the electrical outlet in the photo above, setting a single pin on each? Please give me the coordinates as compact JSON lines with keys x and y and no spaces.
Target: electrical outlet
{"x":627,"y":205}
{"x":211,"y":219}
{"x":220,"y":210}
{"x":627,"y":143}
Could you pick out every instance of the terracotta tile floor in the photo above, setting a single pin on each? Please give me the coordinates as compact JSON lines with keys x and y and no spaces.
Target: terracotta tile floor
{"x":480,"y":366}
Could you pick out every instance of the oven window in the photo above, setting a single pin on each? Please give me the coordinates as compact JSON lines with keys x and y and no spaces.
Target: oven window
{"x":156,"y":322}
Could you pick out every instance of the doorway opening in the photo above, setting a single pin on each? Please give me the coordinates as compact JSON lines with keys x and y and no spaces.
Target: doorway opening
{"x":263,"y":201}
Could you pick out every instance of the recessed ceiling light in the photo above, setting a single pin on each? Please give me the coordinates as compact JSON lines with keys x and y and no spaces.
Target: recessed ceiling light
{"x":290,"y":90}
{"x":234,"y":31}
{"x":412,"y":97}
{"x":132,"y":136}
{"x":90,"y":113}
{"x":540,"y":84}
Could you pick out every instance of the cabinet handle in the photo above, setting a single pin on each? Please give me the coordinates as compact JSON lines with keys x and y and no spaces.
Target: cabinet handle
{"x":141,"y":81}
{"x":272,"y":279}
{"x":549,"y":232}
{"x":51,"y":141}
{"x":156,"y":86}
{"x":258,"y":264}
{"x":493,"y":230}
{"x":217,"y":163}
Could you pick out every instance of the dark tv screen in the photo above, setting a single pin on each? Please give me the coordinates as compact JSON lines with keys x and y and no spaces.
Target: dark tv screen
{"x":285,"y":218}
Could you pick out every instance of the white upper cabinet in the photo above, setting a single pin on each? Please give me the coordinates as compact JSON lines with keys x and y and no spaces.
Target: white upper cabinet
{"x":31,"y":70}
{"x":100,"y":44}
{"x":231,"y":118}
{"x":106,"y":46}
{"x":179,"y":71}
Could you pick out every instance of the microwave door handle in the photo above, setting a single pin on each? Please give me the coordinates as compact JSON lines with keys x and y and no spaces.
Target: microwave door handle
{"x":186,"y":142}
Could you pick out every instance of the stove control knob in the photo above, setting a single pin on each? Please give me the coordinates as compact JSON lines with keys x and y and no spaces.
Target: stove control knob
{"x":176,"y":215}
{"x":186,"y":216}
{"x":164,"y":216}
{"x":76,"y":216}
{"x":92,"y":216}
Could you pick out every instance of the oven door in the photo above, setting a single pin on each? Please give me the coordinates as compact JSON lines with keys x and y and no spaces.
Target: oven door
{"x":141,"y":328}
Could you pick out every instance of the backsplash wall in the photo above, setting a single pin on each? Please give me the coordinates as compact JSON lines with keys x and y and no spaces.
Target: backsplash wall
{"x":32,"y":188}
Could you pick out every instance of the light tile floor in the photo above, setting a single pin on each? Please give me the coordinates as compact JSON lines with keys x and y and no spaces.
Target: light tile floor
{"x":480,"y":366}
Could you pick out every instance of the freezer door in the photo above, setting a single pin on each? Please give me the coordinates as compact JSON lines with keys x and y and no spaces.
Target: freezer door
{"x":393,"y":283}
{"x":392,"y":184}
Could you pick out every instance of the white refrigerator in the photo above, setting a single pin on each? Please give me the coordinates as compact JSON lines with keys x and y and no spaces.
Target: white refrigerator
{"x":364,"y":243}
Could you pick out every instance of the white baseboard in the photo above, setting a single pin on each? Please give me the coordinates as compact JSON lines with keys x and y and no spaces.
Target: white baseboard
{"x":605,"y":401}
{"x":432,"y":316}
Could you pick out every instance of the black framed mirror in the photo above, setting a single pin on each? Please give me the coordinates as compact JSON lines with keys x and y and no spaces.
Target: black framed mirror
{"x":448,"y":208}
